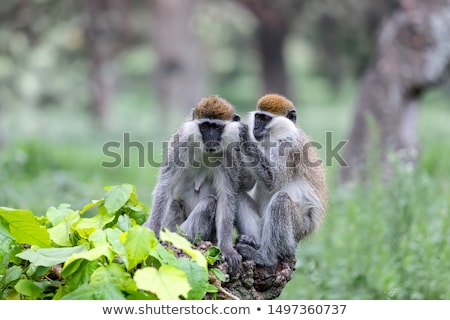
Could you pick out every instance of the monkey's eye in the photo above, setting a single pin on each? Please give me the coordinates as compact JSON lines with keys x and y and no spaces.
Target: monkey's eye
{"x":207,"y":126}
{"x":263,"y":117}
{"x":204,"y":126}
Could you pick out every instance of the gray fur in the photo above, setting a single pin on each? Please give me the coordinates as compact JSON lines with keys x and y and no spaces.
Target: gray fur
{"x":289,"y":195}
{"x":200,"y":198}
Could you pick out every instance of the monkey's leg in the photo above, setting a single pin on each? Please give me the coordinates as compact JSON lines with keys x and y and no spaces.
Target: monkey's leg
{"x":175,"y":216}
{"x":201,"y":221}
{"x":248,"y":221}
{"x":278,"y":238}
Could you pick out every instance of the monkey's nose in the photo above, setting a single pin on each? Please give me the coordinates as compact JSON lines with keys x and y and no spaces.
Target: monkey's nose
{"x":211,"y":147}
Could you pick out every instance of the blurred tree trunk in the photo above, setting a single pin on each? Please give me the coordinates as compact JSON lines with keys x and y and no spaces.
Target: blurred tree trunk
{"x":346,"y":47}
{"x":413,"y":53}
{"x":101,"y":76}
{"x":275,"y":22}
{"x":180,"y":75}
{"x":271,"y":45}
{"x":106,"y":28}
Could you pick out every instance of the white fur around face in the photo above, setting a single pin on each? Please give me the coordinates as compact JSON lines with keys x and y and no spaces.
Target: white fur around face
{"x":280,"y":128}
{"x":251,"y":124}
{"x":231,"y":133}
{"x":190,"y":130}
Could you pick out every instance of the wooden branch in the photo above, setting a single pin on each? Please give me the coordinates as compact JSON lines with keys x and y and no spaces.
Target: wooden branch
{"x":252,"y":282}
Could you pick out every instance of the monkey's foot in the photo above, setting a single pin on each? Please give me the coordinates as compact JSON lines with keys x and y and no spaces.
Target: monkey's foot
{"x":233,"y":259}
{"x":248,"y":252}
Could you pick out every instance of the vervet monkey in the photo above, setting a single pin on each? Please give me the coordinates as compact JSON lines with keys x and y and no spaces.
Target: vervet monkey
{"x":198,"y":184}
{"x":291,"y":191}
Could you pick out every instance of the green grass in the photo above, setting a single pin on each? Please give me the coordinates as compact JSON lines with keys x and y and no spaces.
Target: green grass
{"x":380,"y":242}
{"x":385,"y":241}
{"x":36,"y":175}
{"x":56,"y":157}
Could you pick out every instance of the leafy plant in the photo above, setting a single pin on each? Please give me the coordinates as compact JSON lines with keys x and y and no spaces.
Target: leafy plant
{"x":102,"y":254}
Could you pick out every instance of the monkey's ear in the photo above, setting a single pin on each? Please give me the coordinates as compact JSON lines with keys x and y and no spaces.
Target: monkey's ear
{"x":236,"y":117}
{"x":292,"y":115}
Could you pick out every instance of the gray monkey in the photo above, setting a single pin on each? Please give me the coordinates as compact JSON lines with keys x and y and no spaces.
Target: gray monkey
{"x":290,"y":192}
{"x":198,"y":184}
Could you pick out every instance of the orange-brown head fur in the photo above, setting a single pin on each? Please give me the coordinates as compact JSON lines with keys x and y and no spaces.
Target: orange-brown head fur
{"x":214,"y":107}
{"x":275,"y":104}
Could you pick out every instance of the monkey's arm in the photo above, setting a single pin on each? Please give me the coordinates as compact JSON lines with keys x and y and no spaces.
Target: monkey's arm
{"x":225,"y":216}
{"x":254,"y":159}
{"x":161,"y":198}
{"x":175,"y":161}
{"x":246,"y":180}
{"x":157,"y":213}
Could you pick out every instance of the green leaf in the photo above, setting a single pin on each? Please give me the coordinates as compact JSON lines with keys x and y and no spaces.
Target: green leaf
{"x":168,"y":283}
{"x":95,"y":291}
{"x":91,"y":205}
{"x":139,"y":243}
{"x":165,"y":256}
{"x":139,"y":213}
{"x":72,"y":268}
{"x":48,"y":257}
{"x":57,"y":215}
{"x":36,"y":271}
{"x":4,"y":229}
{"x":12,"y":274}
{"x":91,"y":255}
{"x":218,"y":274}
{"x":6,"y":242}
{"x":25,"y":228}
{"x":60,"y":232}
{"x":15,"y":249}
{"x":87,"y":225}
{"x":117,"y":197}
{"x":140,"y":295}
{"x":183,"y":244}
{"x":98,"y":238}
{"x":212,"y":289}
{"x":133,"y":196}
{"x":197,"y":277}
{"x":213,"y":255}
{"x":79,"y":273}
{"x":115,"y":274}
{"x":124,"y":223}
{"x":118,"y":246}
{"x":30,"y":288}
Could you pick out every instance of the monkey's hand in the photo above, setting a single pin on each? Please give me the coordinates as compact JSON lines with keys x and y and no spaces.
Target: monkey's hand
{"x":248,"y":146}
{"x":248,"y":248}
{"x":233,"y":259}
{"x":244,"y":239}
{"x":243,"y":133}
{"x":248,"y":252}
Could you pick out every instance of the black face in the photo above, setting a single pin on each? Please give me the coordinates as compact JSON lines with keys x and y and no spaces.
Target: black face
{"x":292,"y":115}
{"x":211,"y":135}
{"x":261,"y":121}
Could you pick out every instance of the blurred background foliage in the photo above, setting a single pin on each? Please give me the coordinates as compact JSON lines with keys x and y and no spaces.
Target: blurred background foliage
{"x":75,"y":75}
